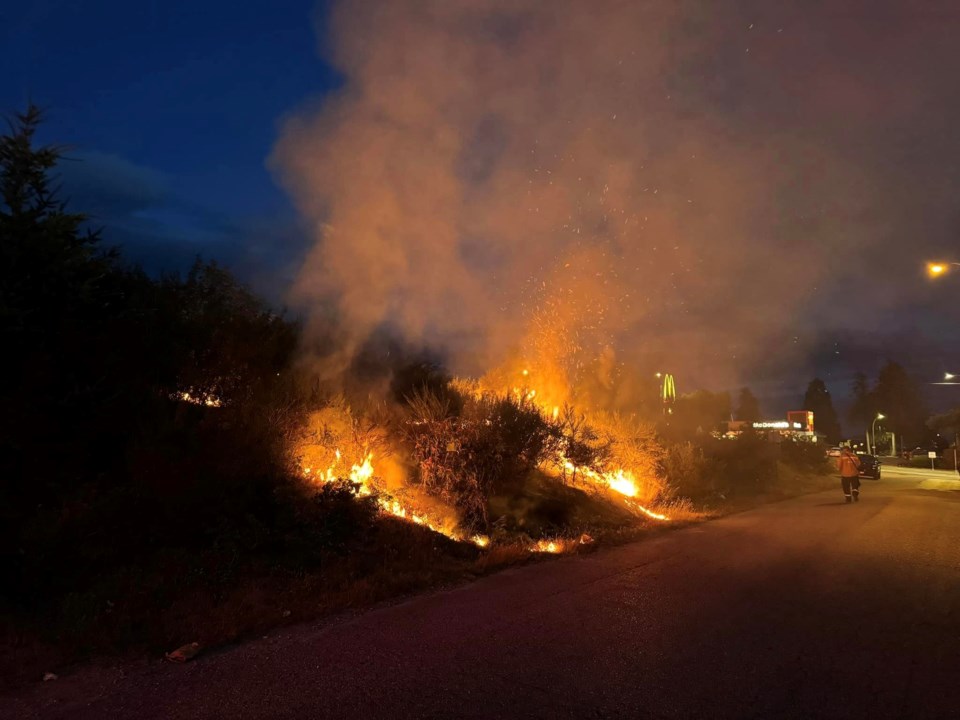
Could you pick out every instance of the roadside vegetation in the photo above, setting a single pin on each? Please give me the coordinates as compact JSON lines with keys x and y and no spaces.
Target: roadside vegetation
{"x":172,"y":471}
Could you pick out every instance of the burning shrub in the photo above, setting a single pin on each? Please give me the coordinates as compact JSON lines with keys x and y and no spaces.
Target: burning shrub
{"x":339,"y":444}
{"x":580,"y":443}
{"x":633,"y":444}
{"x":335,"y":437}
{"x":494,"y":442}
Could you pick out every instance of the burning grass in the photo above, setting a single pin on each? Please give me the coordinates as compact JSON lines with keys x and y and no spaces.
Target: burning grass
{"x":441,"y":458}
{"x":370,"y":504}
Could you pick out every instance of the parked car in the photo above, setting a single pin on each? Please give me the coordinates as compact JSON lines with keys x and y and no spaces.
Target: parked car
{"x":833,"y":452}
{"x":869,"y":466}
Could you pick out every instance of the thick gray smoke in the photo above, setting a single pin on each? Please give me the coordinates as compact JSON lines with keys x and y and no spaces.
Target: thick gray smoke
{"x":689,"y":185}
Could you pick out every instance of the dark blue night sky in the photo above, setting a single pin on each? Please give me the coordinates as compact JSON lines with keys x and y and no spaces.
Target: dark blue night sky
{"x":170,"y":109}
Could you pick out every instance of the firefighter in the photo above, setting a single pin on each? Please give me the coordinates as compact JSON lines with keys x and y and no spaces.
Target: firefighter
{"x":849,"y":466}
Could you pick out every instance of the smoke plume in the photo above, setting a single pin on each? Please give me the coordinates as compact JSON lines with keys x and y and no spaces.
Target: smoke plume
{"x":662,"y":185}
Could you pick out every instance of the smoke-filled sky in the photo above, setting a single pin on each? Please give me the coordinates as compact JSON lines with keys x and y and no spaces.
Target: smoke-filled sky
{"x":736,"y":192}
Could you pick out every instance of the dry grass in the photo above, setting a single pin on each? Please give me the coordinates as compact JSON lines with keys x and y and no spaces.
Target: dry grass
{"x":402,"y":559}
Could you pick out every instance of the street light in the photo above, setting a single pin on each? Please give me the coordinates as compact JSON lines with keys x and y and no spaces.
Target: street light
{"x":949,"y":379}
{"x":936,"y":269}
{"x":873,"y":430}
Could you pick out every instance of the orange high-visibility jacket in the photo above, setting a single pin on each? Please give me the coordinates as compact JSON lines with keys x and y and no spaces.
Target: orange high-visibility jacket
{"x":849,"y":465}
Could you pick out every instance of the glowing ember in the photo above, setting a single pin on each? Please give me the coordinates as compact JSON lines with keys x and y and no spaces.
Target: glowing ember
{"x":545,"y":546}
{"x":197,"y":399}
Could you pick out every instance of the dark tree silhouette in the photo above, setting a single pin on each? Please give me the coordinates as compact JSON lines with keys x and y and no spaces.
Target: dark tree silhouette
{"x":748,"y":407}
{"x":948,"y":421}
{"x":861,"y":411}
{"x":817,"y":399}
{"x":899,"y":398}
{"x":97,"y":442}
{"x":55,"y":302}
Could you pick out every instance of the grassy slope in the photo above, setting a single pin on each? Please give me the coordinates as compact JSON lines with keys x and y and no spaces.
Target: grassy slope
{"x":399,"y":558}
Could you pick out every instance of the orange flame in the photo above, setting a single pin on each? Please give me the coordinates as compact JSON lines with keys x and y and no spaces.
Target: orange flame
{"x":546,"y":546}
{"x":620,"y":481}
{"x":362,"y":474}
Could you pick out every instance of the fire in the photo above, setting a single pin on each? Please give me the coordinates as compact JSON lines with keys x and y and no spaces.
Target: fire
{"x":620,"y":481}
{"x":649,"y":513}
{"x":362,"y":474}
{"x":546,"y":546}
{"x":623,"y":482}
{"x":548,"y":400}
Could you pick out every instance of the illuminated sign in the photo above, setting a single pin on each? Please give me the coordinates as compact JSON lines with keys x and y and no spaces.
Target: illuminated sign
{"x":803,"y":417}
{"x":668,"y":392}
{"x":777,"y":425}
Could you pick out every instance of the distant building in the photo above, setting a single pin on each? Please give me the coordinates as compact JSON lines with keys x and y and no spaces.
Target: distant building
{"x":797,"y":426}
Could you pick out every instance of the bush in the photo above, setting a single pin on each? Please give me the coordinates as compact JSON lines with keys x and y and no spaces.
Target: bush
{"x":633,"y":445}
{"x":744,"y":466}
{"x":804,"y":456}
{"x":689,"y":471}
{"x":939,"y":463}
{"x":463,"y":459}
{"x":334,"y":519}
{"x":580,"y":443}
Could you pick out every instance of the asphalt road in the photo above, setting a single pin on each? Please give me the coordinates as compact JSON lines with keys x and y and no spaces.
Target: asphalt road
{"x":805,"y":608}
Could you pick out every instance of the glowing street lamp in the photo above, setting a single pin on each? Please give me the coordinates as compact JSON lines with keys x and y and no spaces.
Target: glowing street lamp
{"x":936,"y":269}
{"x":873,"y":430}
